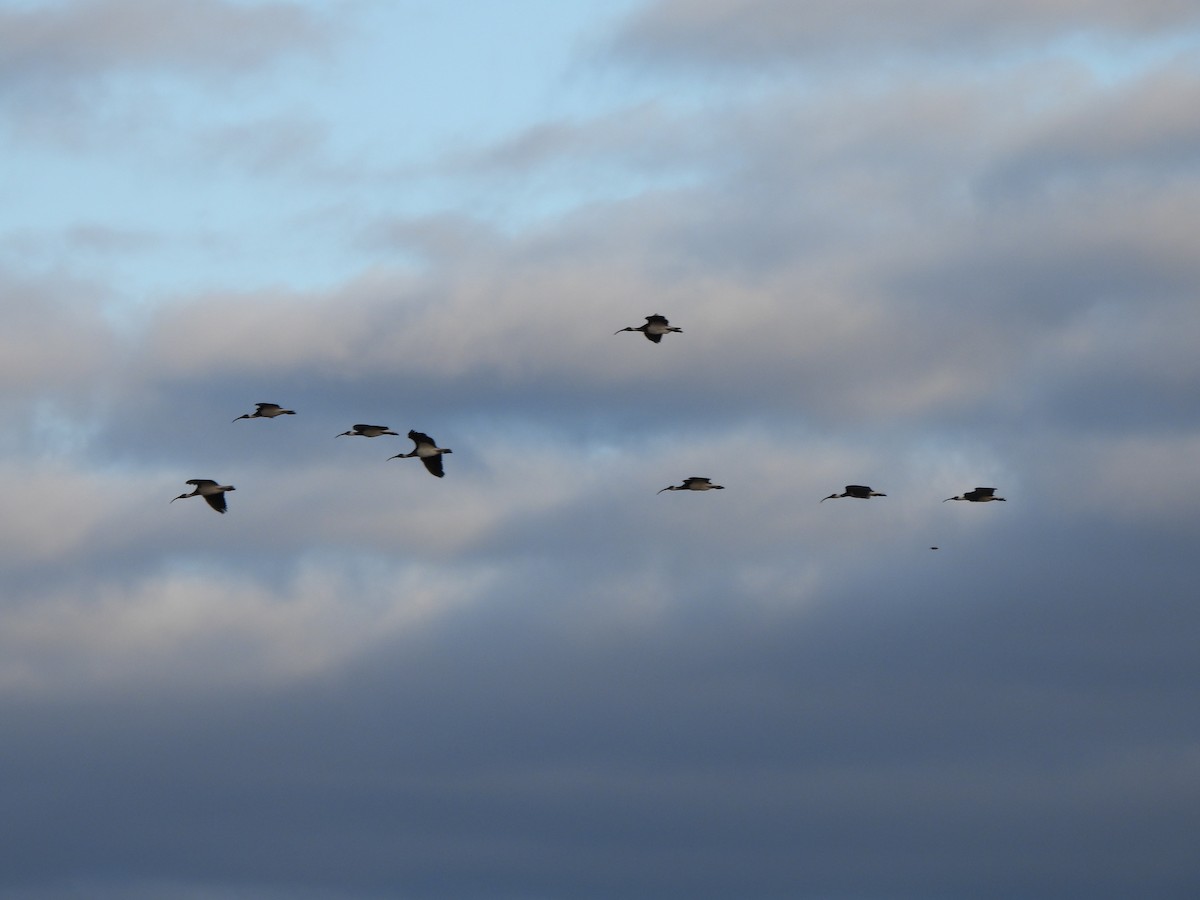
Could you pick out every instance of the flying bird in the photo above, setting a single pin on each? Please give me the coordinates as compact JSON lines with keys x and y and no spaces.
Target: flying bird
{"x":267,"y":411}
{"x":212,"y":492}
{"x":654,"y":329}
{"x":426,"y":450}
{"x":695,"y":483}
{"x":367,"y":431}
{"x":979,"y":495}
{"x":859,"y":491}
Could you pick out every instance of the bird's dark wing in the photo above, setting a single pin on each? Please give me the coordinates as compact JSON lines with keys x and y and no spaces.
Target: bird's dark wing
{"x":434,"y":464}
{"x":696,"y":479}
{"x":418,"y":438}
{"x":216,"y":501}
{"x":857,"y":490}
{"x":657,"y":320}
{"x":985,"y":492}
{"x":652,"y":337}
{"x":267,"y":405}
{"x":200,"y":482}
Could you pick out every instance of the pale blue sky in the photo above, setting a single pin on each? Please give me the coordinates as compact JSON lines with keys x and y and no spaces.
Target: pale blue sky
{"x":365,"y":128}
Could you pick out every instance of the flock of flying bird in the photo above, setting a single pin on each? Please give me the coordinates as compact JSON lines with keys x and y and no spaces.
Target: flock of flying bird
{"x":426,"y":449}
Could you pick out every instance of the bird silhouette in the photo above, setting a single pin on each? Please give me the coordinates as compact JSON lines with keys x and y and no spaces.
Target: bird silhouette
{"x":654,"y":329}
{"x":267,"y":411}
{"x":211,"y":491}
{"x":367,"y":431}
{"x":979,"y":495}
{"x":426,"y":450}
{"x":695,"y":483}
{"x":859,"y":491}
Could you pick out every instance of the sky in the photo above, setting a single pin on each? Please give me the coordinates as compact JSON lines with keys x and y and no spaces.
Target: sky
{"x":921,"y":246}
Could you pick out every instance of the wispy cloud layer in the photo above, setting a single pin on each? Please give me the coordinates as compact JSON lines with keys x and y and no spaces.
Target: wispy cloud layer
{"x":756,"y":32}
{"x":86,"y":39}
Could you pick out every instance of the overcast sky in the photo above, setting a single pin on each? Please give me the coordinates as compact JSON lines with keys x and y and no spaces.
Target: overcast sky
{"x":923,"y":246}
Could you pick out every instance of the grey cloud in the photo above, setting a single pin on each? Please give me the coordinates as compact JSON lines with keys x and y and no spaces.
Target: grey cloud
{"x":754,"y":33}
{"x":1140,"y":129}
{"x":724,"y":749}
{"x":91,"y":38}
{"x":72,"y":74}
{"x":55,"y":339}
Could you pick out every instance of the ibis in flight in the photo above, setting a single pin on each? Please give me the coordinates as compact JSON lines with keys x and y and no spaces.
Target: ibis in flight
{"x":426,"y":450}
{"x":211,"y":491}
{"x":979,"y":495}
{"x":695,"y":483}
{"x":859,"y":491}
{"x":267,"y":411}
{"x":367,"y":431}
{"x":654,"y":329}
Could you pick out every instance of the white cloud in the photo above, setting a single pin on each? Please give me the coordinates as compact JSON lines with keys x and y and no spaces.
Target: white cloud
{"x":203,"y":627}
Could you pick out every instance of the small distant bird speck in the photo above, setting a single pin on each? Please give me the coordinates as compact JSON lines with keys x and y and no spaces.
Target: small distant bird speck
{"x":695,"y":483}
{"x":654,"y":329}
{"x":427,"y":451}
{"x":267,"y":411}
{"x":858,"y":491}
{"x":212,"y":492}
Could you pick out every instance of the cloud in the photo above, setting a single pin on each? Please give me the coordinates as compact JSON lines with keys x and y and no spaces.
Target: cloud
{"x":81,"y":74}
{"x":55,"y":339}
{"x":537,"y":676}
{"x":82,"y":39}
{"x":174,"y":628}
{"x":757,"y":33}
